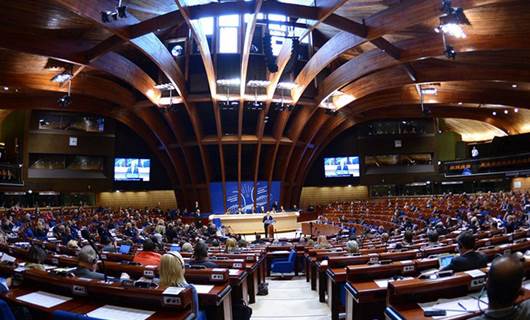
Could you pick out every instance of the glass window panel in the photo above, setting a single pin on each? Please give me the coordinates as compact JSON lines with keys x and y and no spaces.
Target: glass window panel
{"x":231,"y":20}
{"x":228,"y":40}
{"x":299,"y":32}
{"x":206,"y":25}
{"x":277,"y":17}
{"x":277,"y":44}
{"x":247,"y":16}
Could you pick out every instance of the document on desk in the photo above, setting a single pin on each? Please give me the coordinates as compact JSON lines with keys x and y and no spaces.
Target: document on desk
{"x":44,"y":299}
{"x":383,"y":283}
{"x":202,"y":288}
{"x":456,"y":307}
{"x":174,"y":291}
{"x":109,"y":312}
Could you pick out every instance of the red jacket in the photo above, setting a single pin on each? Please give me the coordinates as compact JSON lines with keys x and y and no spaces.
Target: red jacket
{"x":147,"y":258}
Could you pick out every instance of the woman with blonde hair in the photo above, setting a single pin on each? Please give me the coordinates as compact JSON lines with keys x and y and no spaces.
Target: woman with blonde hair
{"x":172,"y":270}
{"x":322,"y":242}
{"x":231,"y":245}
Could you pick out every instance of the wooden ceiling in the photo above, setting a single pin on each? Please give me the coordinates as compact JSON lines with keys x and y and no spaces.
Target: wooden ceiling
{"x":376,"y":52}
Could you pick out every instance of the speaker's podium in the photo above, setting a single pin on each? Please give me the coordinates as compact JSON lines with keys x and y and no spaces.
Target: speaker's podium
{"x":270,"y":230}
{"x":251,"y":223}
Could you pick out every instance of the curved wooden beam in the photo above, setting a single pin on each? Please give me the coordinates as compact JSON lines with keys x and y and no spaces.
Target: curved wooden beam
{"x":245,"y":54}
{"x":85,"y":85}
{"x":153,"y":49}
{"x":448,"y":93}
{"x":415,"y":49}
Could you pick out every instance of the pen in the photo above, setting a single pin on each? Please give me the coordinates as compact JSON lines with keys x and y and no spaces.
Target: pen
{"x":462,"y":306}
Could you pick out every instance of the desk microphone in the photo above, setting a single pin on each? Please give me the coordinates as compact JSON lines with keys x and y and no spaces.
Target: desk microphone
{"x":86,"y":235}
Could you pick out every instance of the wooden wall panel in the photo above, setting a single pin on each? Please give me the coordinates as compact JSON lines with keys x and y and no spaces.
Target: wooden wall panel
{"x":325,"y":195}
{"x":164,"y":199}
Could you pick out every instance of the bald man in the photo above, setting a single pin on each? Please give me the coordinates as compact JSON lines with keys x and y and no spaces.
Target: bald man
{"x":505,"y":279}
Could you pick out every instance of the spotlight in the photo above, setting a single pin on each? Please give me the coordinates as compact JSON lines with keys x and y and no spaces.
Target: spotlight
{"x":460,"y":103}
{"x":514,"y":85}
{"x":65,"y":101}
{"x":107,"y":15}
{"x":516,"y":110}
{"x":122,"y":11}
{"x":450,"y":52}
{"x":451,"y":20}
{"x":505,"y":111}
{"x":177,"y":51}
{"x":229,"y":105}
{"x":6,"y":88}
{"x":494,"y":113}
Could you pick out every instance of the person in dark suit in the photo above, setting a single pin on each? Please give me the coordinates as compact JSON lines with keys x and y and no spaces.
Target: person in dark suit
{"x":200,"y":256}
{"x":505,"y":279}
{"x":267,"y":220}
{"x":469,"y":258}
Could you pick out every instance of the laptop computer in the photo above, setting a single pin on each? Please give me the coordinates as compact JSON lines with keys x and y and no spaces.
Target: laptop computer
{"x":445,"y":260}
{"x":124,"y":249}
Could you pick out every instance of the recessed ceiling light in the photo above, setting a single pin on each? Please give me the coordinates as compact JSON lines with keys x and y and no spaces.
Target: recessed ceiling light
{"x":460,"y":103}
{"x":516,"y":110}
{"x":505,"y":111}
{"x":6,"y":88}
{"x":514,"y":85}
{"x":494,"y":113}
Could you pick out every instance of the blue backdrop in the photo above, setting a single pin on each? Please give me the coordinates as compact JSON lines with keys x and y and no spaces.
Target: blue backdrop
{"x":246,"y":194}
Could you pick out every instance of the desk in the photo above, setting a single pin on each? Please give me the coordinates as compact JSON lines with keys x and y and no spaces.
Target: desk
{"x":314,"y":229}
{"x":253,"y":222}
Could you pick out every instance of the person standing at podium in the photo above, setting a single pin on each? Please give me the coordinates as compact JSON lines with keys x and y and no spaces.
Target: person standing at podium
{"x":267,"y":221}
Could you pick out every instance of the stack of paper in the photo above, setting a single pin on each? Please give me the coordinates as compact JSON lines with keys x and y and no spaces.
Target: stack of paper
{"x":109,"y":312}
{"x":44,"y":299}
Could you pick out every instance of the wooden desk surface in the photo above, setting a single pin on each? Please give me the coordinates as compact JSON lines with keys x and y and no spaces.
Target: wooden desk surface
{"x":86,"y":305}
{"x":414,"y":312}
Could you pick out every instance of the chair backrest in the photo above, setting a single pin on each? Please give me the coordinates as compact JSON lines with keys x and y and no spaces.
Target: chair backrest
{"x":292,"y":256}
{"x":65,"y":315}
{"x":5,"y":311}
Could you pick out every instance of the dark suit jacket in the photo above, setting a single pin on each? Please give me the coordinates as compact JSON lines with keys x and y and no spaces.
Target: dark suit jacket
{"x":470,"y":260}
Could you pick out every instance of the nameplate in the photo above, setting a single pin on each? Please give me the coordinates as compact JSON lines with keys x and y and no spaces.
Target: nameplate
{"x":79,"y":290}
{"x":408,"y":268}
{"x":217,"y":276}
{"x":172,"y":301}
{"x":149,"y":273}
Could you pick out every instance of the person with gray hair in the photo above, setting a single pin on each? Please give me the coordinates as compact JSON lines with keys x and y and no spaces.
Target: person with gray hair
{"x":352,"y":247}
{"x":87,"y":263}
{"x":187,"y":247}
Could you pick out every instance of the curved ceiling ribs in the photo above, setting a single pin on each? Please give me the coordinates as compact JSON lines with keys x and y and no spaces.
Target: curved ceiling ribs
{"x":151,"y":46}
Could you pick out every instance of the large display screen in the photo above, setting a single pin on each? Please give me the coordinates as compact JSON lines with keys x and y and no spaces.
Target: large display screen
{"x":337,"y":167}
{"x":132,"y":169}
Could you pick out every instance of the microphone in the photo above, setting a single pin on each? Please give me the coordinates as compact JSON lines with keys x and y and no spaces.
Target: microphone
{"x":86,"y":235}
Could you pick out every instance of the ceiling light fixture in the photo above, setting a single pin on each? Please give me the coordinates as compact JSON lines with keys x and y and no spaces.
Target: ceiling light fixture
{"x":516,"y":110}
{"x":514,"y":85}
{"x":494,"y":113}
{"x":229,"y":82}
{"x":258,"y":83}
{"x":431,"y":91}
{"x":286,"y":85}
{"x":505,"y":111}
{"x":165,"y":86}
{"x":6,"y":88}
{"x":119,"y":12}
{"x":63,"y":77}
{"x":451,"y":20}
{"x":460,"y":103}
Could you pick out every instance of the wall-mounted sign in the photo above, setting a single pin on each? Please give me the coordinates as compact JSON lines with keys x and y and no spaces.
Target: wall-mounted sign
{"x":72,"y":142}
